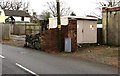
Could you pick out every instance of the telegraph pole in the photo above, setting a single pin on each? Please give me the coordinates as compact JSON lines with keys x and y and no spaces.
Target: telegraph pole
{"x":59,"y":26}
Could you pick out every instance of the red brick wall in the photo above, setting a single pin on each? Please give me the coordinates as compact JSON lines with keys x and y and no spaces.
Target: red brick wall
{"x":50,"y":37}
{"x":72,"y":33}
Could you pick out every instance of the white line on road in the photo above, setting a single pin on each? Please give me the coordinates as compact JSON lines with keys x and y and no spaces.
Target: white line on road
{"x":2,"y":56}
{"x":31,"y":72}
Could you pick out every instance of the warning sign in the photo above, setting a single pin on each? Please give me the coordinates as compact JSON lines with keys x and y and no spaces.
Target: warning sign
{"x":59,"y":26}
{"x":92,"y":27}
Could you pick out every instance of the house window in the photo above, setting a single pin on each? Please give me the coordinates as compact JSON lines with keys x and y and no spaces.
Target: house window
{"x":22,"y":18}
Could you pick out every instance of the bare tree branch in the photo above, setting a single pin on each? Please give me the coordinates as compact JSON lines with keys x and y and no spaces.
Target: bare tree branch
{"x":14,"y":5}
{"x":5,"y":5}
{"x":107,"y":3}
{"x":53,"y":9}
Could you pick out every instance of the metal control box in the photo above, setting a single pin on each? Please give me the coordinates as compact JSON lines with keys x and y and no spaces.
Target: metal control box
{"x":67,"y":44}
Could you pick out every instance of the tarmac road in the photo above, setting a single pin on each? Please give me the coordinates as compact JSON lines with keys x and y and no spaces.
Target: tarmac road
{"x":38,"y":62}
{"x":10,"y":68}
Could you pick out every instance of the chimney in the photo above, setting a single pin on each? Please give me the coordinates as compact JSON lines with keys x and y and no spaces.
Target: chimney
{"x":26,"y":10}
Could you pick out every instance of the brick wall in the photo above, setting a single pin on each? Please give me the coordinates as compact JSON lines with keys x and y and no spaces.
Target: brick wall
{"x":50,"y":37}
{"x":49,"y":40}
{"x":72,"y":33}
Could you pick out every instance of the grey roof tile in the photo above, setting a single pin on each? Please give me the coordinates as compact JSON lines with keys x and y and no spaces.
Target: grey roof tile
{"x":18,"y":13}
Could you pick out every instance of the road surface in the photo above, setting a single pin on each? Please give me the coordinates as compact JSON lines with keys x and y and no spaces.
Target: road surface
{"x":10,"y":68}
{"x":37,"y":62}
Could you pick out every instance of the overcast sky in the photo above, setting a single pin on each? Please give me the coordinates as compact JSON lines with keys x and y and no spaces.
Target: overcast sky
{"x":80,"y":7}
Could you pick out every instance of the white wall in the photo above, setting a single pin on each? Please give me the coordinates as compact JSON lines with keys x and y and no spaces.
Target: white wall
{"x":2,"y":16}
{"x":19,"y":18}
{"x":53,"y":22}
{"x":79,"y":31}
{"x":99,"y":26}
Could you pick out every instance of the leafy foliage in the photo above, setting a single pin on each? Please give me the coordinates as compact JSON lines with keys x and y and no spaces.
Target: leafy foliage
{"x":45,"y":15}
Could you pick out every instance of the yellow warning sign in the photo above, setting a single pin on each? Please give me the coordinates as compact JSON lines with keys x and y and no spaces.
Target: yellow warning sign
{"x":93,"y":26}
{"x":59,"y":26}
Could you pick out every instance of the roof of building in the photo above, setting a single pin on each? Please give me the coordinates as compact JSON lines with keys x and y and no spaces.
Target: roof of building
{"x":78,"y":18}
{"x":104,"y":9}
{"x":82,"y":18}
{"x":39,"y":17}
{"x":18,"y":13}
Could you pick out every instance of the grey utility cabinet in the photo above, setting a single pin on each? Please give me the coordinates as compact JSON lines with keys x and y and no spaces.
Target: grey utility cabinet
{"x":67,"y":44}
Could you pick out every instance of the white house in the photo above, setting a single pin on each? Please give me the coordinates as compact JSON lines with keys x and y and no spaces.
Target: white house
{"x":18,"y":15}
{"x":2,"y":16}
{"x":86,"y":28}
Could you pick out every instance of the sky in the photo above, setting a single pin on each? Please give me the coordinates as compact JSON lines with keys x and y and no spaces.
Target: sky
{"x":80,"y":7}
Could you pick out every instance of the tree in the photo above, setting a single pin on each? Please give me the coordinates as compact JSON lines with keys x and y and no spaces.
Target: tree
{"x":5,"y":4}
{"x":110,"y":3}
{"x":34,"y":18}
{"x":14,"y":5}
{"x":65,"y":11}
{"x":106,"y":3}
{"x":113,"y":3}
{"x":72,"y":14}
{"x":45,"y":15}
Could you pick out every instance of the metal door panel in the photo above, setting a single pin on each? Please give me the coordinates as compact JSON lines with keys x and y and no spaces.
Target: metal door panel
{"x":89,"y":34}
{"x":79,"y":31}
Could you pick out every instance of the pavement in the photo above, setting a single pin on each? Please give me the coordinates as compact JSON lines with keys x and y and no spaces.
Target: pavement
{"x":37,"y":62}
